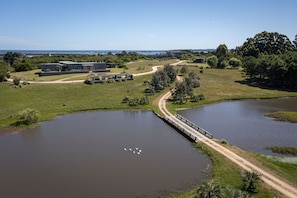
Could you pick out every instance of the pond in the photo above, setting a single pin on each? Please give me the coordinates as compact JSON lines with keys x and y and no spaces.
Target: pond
{"x":242,"y":123}
{"x":98,"y":154}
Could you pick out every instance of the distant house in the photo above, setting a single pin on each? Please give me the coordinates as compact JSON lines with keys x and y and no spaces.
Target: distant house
{"x":63,"y":67}
{"x":200,"y":60}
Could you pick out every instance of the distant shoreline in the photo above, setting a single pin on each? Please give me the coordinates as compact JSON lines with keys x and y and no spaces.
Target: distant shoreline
{"x":94,"y":52}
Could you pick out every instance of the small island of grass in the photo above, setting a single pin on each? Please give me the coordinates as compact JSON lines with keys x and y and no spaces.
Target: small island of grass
{"x":284,"y":116}
{"x":283,"y":150}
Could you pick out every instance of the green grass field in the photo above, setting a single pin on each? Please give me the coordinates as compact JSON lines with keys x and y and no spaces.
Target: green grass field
{"x":57,"y":99}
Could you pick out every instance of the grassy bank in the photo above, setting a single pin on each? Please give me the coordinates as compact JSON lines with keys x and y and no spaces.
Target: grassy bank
{"x":227,"y":174}
{"x":284,"y":116}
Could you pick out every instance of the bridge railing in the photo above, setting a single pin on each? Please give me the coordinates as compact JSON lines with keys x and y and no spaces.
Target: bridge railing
{"x":194,"y":126}
{"x":180,"y":128}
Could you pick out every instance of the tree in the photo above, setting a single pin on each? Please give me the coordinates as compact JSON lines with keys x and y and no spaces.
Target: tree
{"x":180,"y":93}
{"x":235,"y":62}
{"x":160,"y":80}
{"x":223,"y":63}
{"x":266,"y":43}
{"x":171,"y":72}
{"x":3,"y":72}
{"x":193,"y":75}
{"x":22,"y":65}
{"x":212,"y":61}
{"x":222,"y":51}
{"x":210,"y":190}
{"x":28,"y":116}
{"x":249,"y":181}
{"x":273,"y":70}
{"x":16,"y":81}
{"x":295,"y":43}
{"x":184,"y":70}
{"x":10,"y":57}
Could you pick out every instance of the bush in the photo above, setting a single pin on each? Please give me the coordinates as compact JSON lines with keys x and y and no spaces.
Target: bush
{"x":16,"y":81}
{"x":223,"y":141}
{"x":144,"y":101}
{"x":28,"y":116}
{"x":125,"y":99}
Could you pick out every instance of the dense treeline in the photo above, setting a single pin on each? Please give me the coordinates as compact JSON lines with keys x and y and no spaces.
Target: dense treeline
{"x":270,"y":58}
{"x":278,"y":71}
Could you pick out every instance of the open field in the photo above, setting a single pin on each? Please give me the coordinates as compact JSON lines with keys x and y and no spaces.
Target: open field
{"x":57,"y":99}
{"x":226,"y":173}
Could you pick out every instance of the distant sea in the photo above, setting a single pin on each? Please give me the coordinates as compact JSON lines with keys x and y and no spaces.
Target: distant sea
{"x":36,"y":52}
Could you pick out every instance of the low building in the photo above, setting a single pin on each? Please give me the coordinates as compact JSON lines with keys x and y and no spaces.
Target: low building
{"x":200,"y":60}
{"x":74,"y":66}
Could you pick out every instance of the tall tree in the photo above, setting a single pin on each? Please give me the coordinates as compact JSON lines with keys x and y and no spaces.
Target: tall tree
{"x":171,"y":72}
{"x":222,"y":51}
{"x":10,"y":57}
{"x":266,"y":43}
{"x":3,"y":72}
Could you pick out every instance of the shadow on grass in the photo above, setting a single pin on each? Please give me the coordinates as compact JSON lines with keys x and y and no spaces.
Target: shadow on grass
{"x":263,"y":84}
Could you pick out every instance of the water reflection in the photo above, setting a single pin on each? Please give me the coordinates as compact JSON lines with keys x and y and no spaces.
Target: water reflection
{"x":243,"y":123}
{"x":81,"y":155}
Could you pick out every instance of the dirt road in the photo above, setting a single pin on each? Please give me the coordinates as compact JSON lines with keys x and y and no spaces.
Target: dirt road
{"x":277,"y":183}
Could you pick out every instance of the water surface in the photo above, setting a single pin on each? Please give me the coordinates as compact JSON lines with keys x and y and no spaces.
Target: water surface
{"x":82,"y":155}
{"x":243,"y":123}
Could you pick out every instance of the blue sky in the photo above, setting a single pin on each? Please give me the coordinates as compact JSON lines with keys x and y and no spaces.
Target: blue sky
{"x":140,"y":24}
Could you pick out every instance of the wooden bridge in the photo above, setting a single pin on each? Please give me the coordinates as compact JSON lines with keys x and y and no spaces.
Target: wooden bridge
{"x":183,"y":125}
{"x":187,"y":128}
{"x":194,"y":126}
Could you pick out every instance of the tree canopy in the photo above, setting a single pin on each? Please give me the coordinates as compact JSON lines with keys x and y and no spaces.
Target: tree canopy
{"x":266,"y":43}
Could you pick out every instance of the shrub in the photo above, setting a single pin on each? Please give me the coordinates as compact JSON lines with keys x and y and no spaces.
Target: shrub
{"x":143,"y":101}
{"x":28,"y":116}
{"x":223,"y":141}
{"x":16,"y":81}
{"x":125,"y":99}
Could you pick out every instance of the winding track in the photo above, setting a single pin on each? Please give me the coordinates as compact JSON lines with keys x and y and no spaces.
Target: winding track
{"x":271,"y":180}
